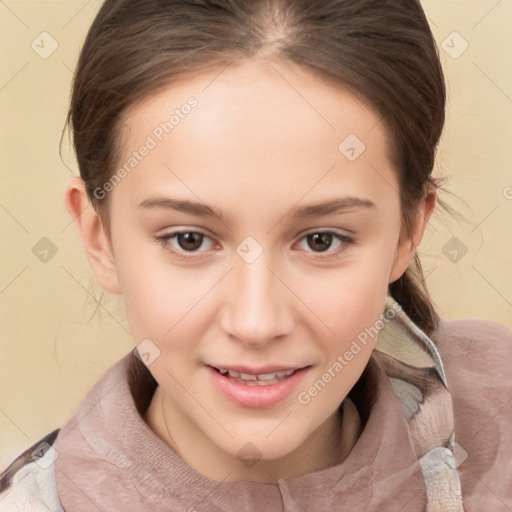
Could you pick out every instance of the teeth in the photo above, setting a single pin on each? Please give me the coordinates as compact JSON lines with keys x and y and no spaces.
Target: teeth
{"x":268,"y":376}
{"x":263,"y":379}
{"x":248,"y":376}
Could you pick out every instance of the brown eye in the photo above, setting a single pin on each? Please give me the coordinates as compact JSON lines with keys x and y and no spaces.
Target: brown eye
{"x":186,"y":244}
{"x":189,"y":241}
{"x":319,"y":242}
{"x":325,"y":244}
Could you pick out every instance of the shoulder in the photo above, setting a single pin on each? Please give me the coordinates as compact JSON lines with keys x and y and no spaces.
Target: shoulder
{"x":473,"y":334}
{"x":477,"y":357}
{"x":28,"y":483}
{"x":476,"y":352}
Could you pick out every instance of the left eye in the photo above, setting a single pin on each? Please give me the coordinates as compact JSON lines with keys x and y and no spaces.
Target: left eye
{"x":321,"y":241}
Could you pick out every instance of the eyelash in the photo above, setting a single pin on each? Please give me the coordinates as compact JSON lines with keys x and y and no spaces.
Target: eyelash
{"x":164,"y":241}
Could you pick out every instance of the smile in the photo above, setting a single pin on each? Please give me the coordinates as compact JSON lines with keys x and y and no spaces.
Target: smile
{"x":261,"y":388}
{"x":262,"y":379}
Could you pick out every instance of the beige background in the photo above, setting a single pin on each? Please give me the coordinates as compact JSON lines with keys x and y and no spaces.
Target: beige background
{"x":52,"y":351}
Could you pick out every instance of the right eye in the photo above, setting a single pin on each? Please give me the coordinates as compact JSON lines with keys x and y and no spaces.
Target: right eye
{"x":182,"y":242}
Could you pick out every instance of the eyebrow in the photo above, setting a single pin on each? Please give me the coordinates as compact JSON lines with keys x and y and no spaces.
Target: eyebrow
{"x":329,"y":207}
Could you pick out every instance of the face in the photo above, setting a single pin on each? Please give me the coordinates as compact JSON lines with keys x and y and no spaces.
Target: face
{"x":254,"y":233}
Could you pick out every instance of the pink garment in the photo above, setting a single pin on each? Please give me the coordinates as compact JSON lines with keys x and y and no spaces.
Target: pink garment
{"x":110,"y":460}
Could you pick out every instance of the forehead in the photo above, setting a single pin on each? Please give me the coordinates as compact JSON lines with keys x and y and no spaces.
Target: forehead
{"x":260,"y":93}
{"x":256,"y":126}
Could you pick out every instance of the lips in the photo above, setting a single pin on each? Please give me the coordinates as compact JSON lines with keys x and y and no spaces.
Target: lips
{"x":260,"y":388}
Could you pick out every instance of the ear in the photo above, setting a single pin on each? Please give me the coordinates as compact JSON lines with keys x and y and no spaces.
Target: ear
{"x":407,"y":247}
{"x":90,"y":228}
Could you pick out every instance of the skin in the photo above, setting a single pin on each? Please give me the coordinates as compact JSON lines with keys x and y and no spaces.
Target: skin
{"x":256,"y":147}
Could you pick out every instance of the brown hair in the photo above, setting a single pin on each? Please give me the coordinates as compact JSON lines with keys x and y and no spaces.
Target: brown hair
{"x":381,"y":50}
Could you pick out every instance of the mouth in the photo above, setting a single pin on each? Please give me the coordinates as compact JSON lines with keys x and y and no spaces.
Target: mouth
{"x":256,"y":387}
{"x":251,"y":377}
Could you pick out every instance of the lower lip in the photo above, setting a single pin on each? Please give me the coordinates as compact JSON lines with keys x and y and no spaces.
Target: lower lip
{"x":257,"y":396}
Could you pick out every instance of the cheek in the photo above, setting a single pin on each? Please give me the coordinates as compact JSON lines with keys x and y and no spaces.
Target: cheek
{"x":348,"y":298}
{"x":158,"y":307}
{"x":350,"y":305}
{"x":354,"y":322}
{"x":160,"y":298}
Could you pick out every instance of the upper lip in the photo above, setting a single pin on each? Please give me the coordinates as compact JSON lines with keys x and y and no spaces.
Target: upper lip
{"x":256,"y":371}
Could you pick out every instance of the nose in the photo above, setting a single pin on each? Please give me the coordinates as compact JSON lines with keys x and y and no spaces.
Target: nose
{"x":257,"y":308}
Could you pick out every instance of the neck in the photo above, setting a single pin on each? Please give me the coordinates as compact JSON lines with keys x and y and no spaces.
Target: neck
{"x":327,"y":446}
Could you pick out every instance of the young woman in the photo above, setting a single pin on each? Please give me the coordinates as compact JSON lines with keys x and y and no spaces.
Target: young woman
{"x":256,"y":176}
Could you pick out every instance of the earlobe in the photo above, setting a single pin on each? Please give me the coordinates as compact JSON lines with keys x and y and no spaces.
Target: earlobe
{"x":406,"y":249}
{"x":91,"y":230}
